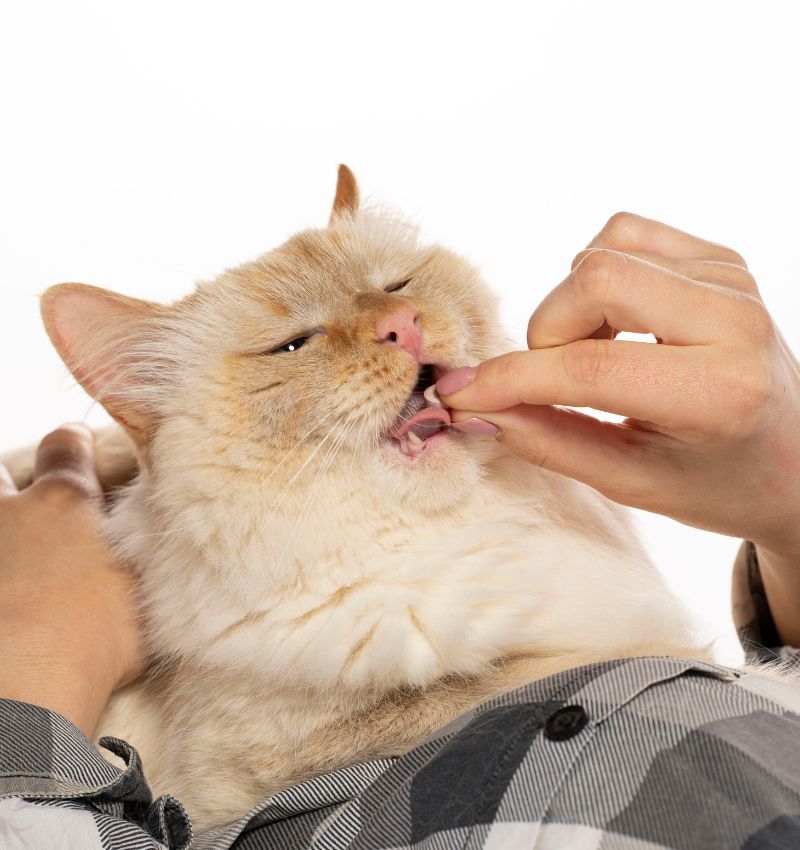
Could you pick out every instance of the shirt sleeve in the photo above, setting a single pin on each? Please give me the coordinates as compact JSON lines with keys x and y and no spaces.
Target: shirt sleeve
{"x":56,"y":790}
{"x":752,"y":616}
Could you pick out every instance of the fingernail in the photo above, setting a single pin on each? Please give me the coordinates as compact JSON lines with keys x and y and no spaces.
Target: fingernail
{"x":477,"y":426}
{"x":456,"y":380}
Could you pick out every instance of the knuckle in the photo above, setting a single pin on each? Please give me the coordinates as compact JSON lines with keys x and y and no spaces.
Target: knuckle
{"x":587,"y":362}
{"x":67,"y":436}
{"x":746,"y":392}
{"x":746,"y":279}
{"x":509,"y":372}
{"x":731,"y":276}
{"x":622,"y":228}
{"x":580,"y":257}
{"x":601,"y":269}
{"x":733,"y":257}
{"x":66,"y":450}
{"x":757,"y":321}
{"x":55,"y":439}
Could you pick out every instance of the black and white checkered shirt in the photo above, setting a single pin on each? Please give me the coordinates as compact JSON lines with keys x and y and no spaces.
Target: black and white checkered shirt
{"x":634,"y":754}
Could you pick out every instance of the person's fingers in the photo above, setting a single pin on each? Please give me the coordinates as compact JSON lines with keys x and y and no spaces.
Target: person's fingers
{"x":673,"y":386}
{"x":621,"y":462}
{"x":630,"y":294}
{"x":708,"y":271}
{"x":7,"y":486}
{"x":629,"y":232}
{"x":66,"y":456}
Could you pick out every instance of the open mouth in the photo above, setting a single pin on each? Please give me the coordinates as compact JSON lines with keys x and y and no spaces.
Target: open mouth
{"x":423,"y":418}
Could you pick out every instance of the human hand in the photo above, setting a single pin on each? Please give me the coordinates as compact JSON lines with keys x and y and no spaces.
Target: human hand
{"x":69,"y":629}
{"x":712,"y":436}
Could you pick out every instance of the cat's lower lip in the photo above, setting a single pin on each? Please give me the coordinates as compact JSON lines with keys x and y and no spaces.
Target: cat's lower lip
{"x":412,"y":450}
{"x":423,"y":422}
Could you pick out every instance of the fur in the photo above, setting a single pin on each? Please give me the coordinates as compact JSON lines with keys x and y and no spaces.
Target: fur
{"x":310,"y":597}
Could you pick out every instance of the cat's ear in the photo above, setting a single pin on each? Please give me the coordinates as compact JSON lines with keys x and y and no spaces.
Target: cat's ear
{"x":346,"y":201}
{"x":103,"y":339}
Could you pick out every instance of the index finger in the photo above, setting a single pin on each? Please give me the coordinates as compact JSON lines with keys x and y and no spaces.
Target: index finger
{"x":630,"y":232}
{"x":67,"y":454}
{"x":668,"y":385}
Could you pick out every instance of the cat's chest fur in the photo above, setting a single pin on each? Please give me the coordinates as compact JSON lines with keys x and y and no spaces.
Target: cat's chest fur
{"x":385,"y":607}
{"x":362,"y":590}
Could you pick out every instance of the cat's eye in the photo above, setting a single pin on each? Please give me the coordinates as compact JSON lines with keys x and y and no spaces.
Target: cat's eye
{"x":292,"y":345}
{"x":396,"y":287}
{"x":297,"y":342}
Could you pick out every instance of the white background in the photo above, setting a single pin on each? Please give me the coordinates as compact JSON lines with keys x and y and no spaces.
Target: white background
{"x":146,"y":145}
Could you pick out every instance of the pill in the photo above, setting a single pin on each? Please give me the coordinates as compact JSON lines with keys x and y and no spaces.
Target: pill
{"x":432,"y":397}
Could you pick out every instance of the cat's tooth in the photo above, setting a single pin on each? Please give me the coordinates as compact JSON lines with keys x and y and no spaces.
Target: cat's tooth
{"x":414,"y":439}
{"x":432,"y":397}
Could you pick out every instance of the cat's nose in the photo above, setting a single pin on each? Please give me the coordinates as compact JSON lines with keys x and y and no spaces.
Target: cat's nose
{"x":402,"y":329}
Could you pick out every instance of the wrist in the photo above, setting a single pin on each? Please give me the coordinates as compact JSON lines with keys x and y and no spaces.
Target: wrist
{"x":780,"y":575}
{"x":71,"y":672}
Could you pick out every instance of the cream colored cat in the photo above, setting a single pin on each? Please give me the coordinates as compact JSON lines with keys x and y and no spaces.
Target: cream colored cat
{"x":316,"y":591}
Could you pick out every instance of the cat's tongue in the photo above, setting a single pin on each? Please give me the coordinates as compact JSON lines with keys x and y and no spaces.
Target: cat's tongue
{"x":424,"y":424}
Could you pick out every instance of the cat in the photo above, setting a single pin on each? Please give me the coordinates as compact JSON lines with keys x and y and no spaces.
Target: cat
{"x":328,"y":571}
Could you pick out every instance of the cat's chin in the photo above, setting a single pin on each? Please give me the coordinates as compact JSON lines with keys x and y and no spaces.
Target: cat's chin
{"x":433,"y":476}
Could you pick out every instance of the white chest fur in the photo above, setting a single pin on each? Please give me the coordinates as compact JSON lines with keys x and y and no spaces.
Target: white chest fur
{"x":364,"y":592}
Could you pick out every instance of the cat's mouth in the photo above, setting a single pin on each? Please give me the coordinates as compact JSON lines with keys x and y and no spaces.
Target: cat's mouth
{"x":424,"y":420}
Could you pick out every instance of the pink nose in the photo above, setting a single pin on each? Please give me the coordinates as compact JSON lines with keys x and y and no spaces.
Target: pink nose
{"x":402,"y":329}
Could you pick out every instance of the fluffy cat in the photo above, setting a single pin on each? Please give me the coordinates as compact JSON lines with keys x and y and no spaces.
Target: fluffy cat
{"x":322,"y":581}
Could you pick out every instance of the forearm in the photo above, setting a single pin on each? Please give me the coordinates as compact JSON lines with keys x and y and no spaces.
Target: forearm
{"x":69,"y":629}
{"x":61,"y":675}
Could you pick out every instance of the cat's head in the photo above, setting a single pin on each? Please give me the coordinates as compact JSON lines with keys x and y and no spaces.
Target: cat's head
{"x":315,"y":353}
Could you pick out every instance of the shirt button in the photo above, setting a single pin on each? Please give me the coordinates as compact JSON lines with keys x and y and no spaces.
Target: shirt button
{"x":565,"y":723}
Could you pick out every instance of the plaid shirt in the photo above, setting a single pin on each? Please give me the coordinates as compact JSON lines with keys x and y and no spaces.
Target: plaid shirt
{"x":634,"y":754}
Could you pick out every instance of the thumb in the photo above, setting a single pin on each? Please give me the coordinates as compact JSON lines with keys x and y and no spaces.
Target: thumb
{"x":66,"y":455}
{"x":617,"y":460}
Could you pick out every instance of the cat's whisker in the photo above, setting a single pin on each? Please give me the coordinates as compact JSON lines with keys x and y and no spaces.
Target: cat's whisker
{"x":190,"y":528}
{"x":339,"y":442}
{"x":355,"y":450}
{"x":291,"y":481}
{"x":291,"y":451}
{"x":330,"y":453}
